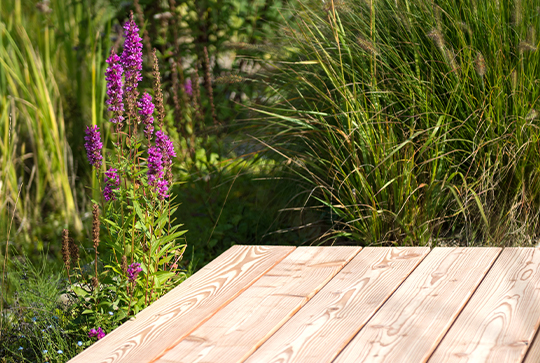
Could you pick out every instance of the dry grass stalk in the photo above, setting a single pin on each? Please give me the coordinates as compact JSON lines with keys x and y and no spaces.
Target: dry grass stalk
{"x":229,"y":79}
{"x":525,"y":46}
{"x":437,"y":37}
{"x":66,"y":256}
{"x":124,"y":265}
{"x":95,"y":240}
{"x":73,"y":252}
{"x":65,"y":249}
{"x":532,"y":115}
{"x":367,"y":46}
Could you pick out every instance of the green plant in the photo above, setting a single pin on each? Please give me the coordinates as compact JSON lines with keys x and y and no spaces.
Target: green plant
{"x":410,"y":121}
{"x":35,"y":321}
{"x":234,"y":193}
{"x":135,"y":203}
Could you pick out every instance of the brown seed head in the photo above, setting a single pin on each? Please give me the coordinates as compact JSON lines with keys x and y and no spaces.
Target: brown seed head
{"x":524,"y":46}
{"x":480,"y":64}
{"x":367,"y":46}
{"x":437,"y":37}
{"x":531,"y":115}
{"x":73,"y":251}
{"x":65,"y":248}
{"x":124,"y":265}
{"x":229,"y":79}
{"x":95,"y":226}
{"x":95,"y":282}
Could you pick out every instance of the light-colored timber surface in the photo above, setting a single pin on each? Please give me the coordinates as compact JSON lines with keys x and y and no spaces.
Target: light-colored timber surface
{"x":183,"y":309}
{"x":500,"y":321}
{"x":279,"y":304}
{"x":414,"y":319}
{"x":319,"y":331}
{"x":533,"y":354}
{"x":242,"y":326}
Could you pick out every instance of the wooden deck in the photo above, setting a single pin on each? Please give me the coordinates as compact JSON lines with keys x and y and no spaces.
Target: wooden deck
{"x":259,"y":304}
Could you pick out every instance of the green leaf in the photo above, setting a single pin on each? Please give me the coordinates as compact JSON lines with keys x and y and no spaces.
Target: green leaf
{"x":79,"y":291}
{"x":162,"y":276}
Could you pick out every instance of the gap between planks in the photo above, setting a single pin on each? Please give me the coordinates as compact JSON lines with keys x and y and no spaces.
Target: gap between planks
{"x":500,"y":320}
{"x":324,"y":326}
{"x":242,"y":326}
{"x":409,"y":326}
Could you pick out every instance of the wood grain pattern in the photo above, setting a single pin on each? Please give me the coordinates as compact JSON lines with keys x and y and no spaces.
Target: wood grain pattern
{"x":186,"y":307}
{"x":408,"y":327}
{"x":500,"y":320}
{"x":242,"y":326}
{"x":324,"y":326}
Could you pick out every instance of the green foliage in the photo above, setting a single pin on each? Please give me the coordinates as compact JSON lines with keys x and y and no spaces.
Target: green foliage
{"x":138,"y":224}
{"x":48,"y":66}
{"x":412,"y":121}
{"x":232,"y":193}
{"x":35,"y":327}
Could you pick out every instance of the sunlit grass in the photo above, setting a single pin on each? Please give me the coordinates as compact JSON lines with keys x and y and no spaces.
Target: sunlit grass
{"x":48,"y":92}
{"x":411,"y":122}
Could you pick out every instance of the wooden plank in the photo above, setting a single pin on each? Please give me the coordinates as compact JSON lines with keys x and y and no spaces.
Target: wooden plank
{"x":186,"y":307}
{"x":500,"y":320}
{"x":533,"y":354}
{"x":324,"y":326}
{"x":242,"y":326}
{"x":408,"y":327}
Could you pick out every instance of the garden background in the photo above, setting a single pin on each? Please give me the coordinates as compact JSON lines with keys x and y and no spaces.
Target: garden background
{"x":299,"y":122}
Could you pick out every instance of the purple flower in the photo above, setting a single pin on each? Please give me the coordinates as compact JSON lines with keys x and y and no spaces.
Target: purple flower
{"x":112,"y":181}
{"x":99,"y":333}
{"x":159,"y":164}
{"x":167,"y":150}
{"x":162,"y":188}
{"x":132,"y":54}
{"x":146,"y":110}
{"x":188,"y":87}
{"x":166,"y":145}
{"x":113,"y":76}
{"x":155,"y":165}
{"x":133,"y":271}
{"x":93,"y":146}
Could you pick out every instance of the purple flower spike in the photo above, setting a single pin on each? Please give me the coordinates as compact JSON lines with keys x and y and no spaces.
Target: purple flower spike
{"x":99,"y":333}
{"x":162,"y":188}
{"x":113,"y":76}
{"x":155,"y":165}
{"x":166,"y":145}
{"x":146,"y":110}
{"x":188,"y":87}
{"x":112,"y":181}
{"x":132,"y":54}
{"x":93,"y":146}
{"x":159,"y":164}
{"x":133,"y":271}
